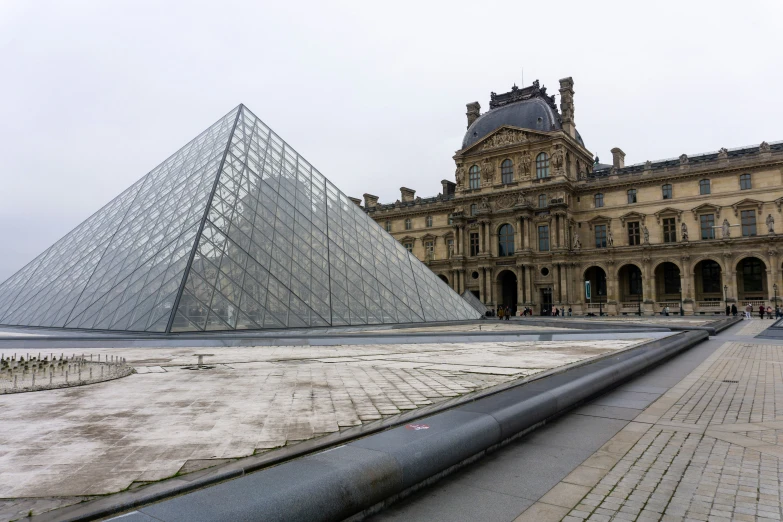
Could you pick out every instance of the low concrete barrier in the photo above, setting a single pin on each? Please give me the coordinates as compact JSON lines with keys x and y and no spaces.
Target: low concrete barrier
{"x":363,"y":475}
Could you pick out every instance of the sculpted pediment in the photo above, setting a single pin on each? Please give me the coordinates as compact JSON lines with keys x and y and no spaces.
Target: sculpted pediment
{"x":599,"y":220}
{"x":747,"y":203}
{"x":706,"y":208}
{"x":632,"y":216}
{"x":668,"y":211}
{"x":504,"y":137}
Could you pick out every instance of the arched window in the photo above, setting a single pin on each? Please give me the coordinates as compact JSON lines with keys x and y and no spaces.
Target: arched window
{"x":542,"y":200}
{"x":631,"y":196}
{"x":542,"y":165}
{"x":408,"y":224}
{"x":428,"y":221}
{"x":475,"y":178}
{"x":704,"y":187}
{"x":506,"y":240}
{"x":506,"y":171}
{"x":388,"y":226}
{"x":599,"y":200}
{"x":666,"y":190}
{"x":745,"y":183}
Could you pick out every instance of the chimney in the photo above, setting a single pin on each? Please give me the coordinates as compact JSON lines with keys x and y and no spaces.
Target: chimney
{"x":370,"y":201}
{"x":407,"y":194}
{"x":474,"y":111}
{"x":356,"y":200}
{"x":567,"y":106}
{"x":618,"y":158}
{"x":448,"y":187}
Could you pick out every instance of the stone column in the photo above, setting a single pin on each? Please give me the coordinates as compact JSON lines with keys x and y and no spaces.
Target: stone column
{"x":482,"y":295}
{"x":770,"y":282}
{"x":520,"y":287}
{"x":564,"y":286}
{"x":525,"y":224}
{"x":555,"y":283}
{"x":491,"y":288}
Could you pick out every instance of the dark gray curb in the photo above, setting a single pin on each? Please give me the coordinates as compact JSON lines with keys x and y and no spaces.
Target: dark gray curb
{"x":713,"y":328}
{"x":363,"y":474}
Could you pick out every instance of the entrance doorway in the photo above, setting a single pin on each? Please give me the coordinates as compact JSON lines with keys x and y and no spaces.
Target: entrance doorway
{"x":508,"y":290}
{"x":546,"y":301}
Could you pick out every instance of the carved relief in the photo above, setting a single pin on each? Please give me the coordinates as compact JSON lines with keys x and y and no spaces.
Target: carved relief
{"x":460,"y":176}
{"x":683,"y":159}
{"x":558,"y":160}
{"x":723,"y":153}
{"x":764,"y":147}
{"x":503,"y":138}
{"x":505,"y":201}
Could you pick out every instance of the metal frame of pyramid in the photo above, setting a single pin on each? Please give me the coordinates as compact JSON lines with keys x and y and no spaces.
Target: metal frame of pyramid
{"x":235,"y":231}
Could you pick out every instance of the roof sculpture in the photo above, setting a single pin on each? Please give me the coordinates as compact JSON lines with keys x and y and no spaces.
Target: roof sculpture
{"x":234,"y":231}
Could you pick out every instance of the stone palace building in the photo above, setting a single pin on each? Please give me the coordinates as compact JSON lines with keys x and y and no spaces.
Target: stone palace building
{"x":532,"y":215}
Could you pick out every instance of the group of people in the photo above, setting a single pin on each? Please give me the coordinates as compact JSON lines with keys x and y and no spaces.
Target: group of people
{"x":762,"y":311}
{"x":557,"y":312}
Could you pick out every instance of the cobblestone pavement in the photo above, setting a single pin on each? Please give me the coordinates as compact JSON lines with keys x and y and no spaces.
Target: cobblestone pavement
{"x":167,"y":419}
{"x":659,"y":319}
{"x":490,"y":325}
{"x":711,"y":448}
{"x":755,"y":326}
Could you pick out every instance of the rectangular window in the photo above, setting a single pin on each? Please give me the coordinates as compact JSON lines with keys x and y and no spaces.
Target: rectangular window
{"x":631,"y":196}
{"x":600,"y":236}
{"x":408,"y":247}
{"x":473,"y":209}
{"x":704,"y":187}
{"x":634,"y":237}
{"x":745,"y":183}
{"x":543,"y":238}
{"x":748,"y":223}
{"x":707,"y":222}
{"x":429,"y":249}
{"x":667,"y":191}
{"x":474,"y":243}
{"x":669,"y":230}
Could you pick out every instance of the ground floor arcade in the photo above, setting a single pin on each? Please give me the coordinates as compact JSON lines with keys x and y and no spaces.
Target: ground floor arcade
{"x":702,"y":284}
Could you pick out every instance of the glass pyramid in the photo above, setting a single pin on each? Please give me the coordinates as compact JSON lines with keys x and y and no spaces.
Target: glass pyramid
{"x":234,"y":231}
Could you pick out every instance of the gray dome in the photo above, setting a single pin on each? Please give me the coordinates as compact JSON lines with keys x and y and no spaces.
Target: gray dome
{"x":533,"y":113}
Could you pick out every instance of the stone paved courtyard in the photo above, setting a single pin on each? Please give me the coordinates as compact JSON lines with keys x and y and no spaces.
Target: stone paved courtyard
{"x":711,"y":449}
{"x":165,"y":419}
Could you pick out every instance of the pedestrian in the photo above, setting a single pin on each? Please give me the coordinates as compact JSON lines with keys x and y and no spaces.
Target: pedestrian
{"x":508,"y":313}
{"x":734,"y":310}
{"x":761,"y":311}
{"x":748,"y":311}
{"x":728,"y":310}
{"x":569,"y":311}
{"x":500,"y":312}
{"x":769,"y":312}
{"x":666,"y":310}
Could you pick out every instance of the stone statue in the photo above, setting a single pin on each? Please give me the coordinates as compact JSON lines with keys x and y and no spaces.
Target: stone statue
{"x":609,"y":238}
{"x":524,"y":164}
{"x":770,"y":224}
{"x":764,"y":147}
{"x":460,"y":175}
{"x":484,"y":205}
{"x":683,"y":159}
{"x":723,"y":153}
{"x":726,"y":229}
{"x":684,"y":231}
{"x":488,"y":169}
{"x":646,"y":234}
{"x":557,"y":159}
{"x":577,"y":243}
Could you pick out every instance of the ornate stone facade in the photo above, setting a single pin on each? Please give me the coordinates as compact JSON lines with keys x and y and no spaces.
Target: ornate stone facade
{"x":532,"y":215}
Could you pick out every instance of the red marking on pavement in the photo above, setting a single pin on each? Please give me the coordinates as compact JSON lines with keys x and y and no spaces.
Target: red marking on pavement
{"x":416,"y":427}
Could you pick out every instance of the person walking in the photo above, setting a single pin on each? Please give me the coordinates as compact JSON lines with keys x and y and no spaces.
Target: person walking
{"x":761,"y":311}
{"x":569,"y":311}
{"x":734,"y":310}
{"x":508,"y":313}
{"x":500,"y":313}
{"x":666,"y":310}
{"x":769,"y":312}
{"x":748,"y":311}
{"x":728,"y":310}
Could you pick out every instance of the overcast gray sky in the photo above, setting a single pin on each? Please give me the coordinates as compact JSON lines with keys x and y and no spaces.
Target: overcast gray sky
{"x":94,"y":94}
